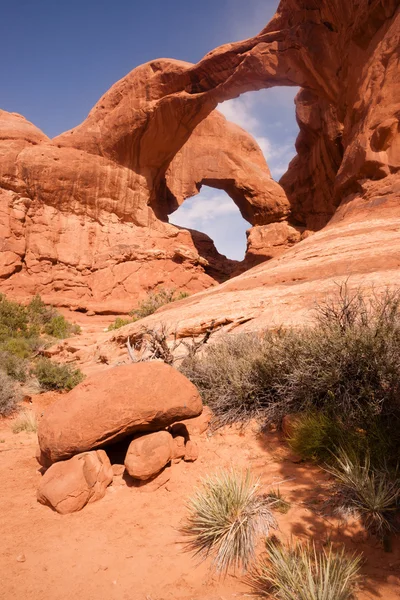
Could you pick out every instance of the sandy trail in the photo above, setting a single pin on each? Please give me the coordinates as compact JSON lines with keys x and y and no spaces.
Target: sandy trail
{"x":127,"y":546}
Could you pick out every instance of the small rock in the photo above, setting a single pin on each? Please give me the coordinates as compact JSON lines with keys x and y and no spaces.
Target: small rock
{"x":191,"y":452}
{"x":148,"y":454}
{"x":69,"y":485}
{"x":21,"y":558}
{"x":118,"y":470}
{"x":179,"y":449}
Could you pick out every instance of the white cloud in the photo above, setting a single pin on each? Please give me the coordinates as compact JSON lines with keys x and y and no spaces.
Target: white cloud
{"x":195,"y":214}
{"x":256,"y":113}
{"x":239,"y":111}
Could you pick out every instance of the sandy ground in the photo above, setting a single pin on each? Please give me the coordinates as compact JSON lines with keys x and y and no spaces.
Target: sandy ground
{"x":128,"y":546}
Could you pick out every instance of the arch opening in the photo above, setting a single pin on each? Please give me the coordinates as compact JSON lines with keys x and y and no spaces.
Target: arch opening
{"x":269,"y":116}
{"x":219,"y":208}
{"x":214,"y":213}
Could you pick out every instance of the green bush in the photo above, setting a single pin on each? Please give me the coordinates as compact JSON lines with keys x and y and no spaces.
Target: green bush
{"x":39,"y":313}
{"x":300,"y":572}
{"x":155,"y":300}
{"x":226,"y":516}
{"x":60,"y":328}
{"x":20,"y":346}
{"x":55,"y":376}
{"x":13,"y":318}
{"x":318,"y":437}
{"x":119,"y":322}
{"x":14,"y":366}
{"x":9,"y":396}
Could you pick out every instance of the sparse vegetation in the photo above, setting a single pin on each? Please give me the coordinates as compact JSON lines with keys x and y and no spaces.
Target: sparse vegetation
{"x":300,"y":572}
{"x":55,"y":376}
{"x":58,"y":327}
{"x":154,"y":300}
{"x":277,"y":501}
{"x":25,"y":421}
{"x":346,"y":367}
{"x":226,"y":516}
{"x":9,"y":396}
{"x":119,"y":322}
{"x":24,"y":332}
{"x":14,"y":366}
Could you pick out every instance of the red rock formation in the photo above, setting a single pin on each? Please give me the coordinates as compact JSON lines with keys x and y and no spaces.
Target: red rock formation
{"x":73,"y":207}
{"x":145,"y":397}
{"x":78,"y":228}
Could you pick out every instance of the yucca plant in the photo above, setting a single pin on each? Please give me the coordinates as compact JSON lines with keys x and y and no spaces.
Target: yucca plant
{"x":277,"y":501}
{"x":300,"y":572}
{"x":25,"y":421}
{"x":226,"y":516}
{"x":373,"y":493}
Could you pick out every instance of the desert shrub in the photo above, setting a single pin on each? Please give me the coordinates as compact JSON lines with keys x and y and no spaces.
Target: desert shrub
{"x":13,"y":318}
{"x":226,"y":516}
{"x":60,"y":328}
{"x":40,"y":313}
{"x":55,"y":376}
{"x":154,"y":300}
{"x":347,"y":366}
{"x":21,"y":347}
{"x":373,"y":492}
{"x":9,"y":396}
{"x":318,"y":437}
{"x":300,"y":572}
{"x":14,"y":366}
{"x":119,"y":322}
{"x":240,"y":376}
{"x":25,"y":421}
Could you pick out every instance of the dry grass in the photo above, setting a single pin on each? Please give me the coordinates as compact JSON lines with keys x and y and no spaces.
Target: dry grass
{"x":25,"y":421}
{"x":300,"y":572}
{"x":277,"y":501}
{"x":226,"y":517}
{"x":9,"y":395}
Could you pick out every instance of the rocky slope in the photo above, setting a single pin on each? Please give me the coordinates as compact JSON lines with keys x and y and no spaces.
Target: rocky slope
{"x":84,"y":214}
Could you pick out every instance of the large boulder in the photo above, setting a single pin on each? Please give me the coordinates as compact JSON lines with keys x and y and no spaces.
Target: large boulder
{"x":109,"y":406}
{"x":148,"y":454}
{"x":69,"y":485}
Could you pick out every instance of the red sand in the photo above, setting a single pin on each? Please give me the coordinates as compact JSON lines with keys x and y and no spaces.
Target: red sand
{"x":127,"y":546}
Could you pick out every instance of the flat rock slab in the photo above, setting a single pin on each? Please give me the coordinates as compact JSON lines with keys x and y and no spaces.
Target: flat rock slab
{"x":107,"y":407}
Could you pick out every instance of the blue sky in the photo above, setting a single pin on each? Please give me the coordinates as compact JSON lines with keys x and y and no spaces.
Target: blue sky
{"x":59,"y":58}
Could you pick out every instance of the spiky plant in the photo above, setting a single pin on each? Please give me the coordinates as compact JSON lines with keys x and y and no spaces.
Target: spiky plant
{"x":277,"y":501}
{"x":300,"y":572}
{"x":226,"y":516}
{"x":25,"y":421}
{"x":373,"y":493}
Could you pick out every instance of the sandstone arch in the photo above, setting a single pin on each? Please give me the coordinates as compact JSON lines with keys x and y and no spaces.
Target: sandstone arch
{"x":80,"y":212}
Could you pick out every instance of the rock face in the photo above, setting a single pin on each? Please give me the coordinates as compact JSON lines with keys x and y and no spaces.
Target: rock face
{"x":106,"y":408}
{"x":69,"y":485}
{"x":82,"y":228}
{"x":148,"y":454}
{"x":83,"y":215}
